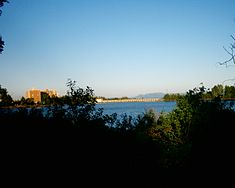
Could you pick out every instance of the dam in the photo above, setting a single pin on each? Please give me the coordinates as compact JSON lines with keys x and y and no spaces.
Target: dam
{"x":129,"y":100}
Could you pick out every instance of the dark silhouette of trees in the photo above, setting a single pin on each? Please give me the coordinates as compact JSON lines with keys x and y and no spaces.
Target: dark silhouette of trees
{"x":1,"y":44}
{"x":229,"y":92}
{"x":45,"y":98}
{"x":184,"y":146}
{"x":5,"y":98}
{"x":225,"y":92}
{"x":79,"y":96}
{"x":1,"y":41}
{"x":171,"y":97}
{"x":26,"y":102}
{"x":2,"y":3}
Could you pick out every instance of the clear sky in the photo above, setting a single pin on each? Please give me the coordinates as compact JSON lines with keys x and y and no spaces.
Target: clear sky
{"x":117,"y":47}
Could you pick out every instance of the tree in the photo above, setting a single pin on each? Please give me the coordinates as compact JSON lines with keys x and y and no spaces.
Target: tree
{"x":217,"y":90}
{"x":46,"y":99}
{"x":230,"y":52}
{"x":81,"y":103}
{"x":1,"y":44}
{"x":229,"y":92}
{"x":1,"y":41}
{"x":79,"y":96}
{"x":25,"y":101}
{"x":5,"y":98}
{"x":2,"y":3}
{"x":231,"y":59}
{"x":171,"y":97}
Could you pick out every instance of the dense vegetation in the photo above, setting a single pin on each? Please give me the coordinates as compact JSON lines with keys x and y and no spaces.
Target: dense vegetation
{"x":156,"y":149}
{"x":225,"y":93}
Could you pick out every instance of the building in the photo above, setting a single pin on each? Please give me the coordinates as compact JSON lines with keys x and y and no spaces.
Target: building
{"x":99,"y":100}
{"x":37,"y":95}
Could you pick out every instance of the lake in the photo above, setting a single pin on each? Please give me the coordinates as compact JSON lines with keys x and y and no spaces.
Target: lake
{"x":136,"y":108}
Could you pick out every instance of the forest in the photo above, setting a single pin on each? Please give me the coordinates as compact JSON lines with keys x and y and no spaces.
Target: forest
{"x":224,"y":92}
{"x":192,"y":141}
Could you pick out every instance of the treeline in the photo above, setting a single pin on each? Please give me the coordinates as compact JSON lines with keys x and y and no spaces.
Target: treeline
{"x":227,"y":92}
{"x":189,"y":146}
{"x":46,"y":100}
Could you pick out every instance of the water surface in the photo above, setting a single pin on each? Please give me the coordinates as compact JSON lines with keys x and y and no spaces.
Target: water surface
{"x":136,"y":108}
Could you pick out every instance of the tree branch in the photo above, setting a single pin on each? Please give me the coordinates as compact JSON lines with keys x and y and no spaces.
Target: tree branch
{"x":232,"y":37}
{"x":231,"y":53}
{"x":1,"y":45}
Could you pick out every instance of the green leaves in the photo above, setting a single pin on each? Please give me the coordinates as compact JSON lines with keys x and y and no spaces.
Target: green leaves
{"x":5,"y":98}
{"x":79,"y":96}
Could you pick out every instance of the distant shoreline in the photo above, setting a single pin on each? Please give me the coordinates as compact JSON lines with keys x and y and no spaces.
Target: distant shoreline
{"x":146,"y":100}
{"x":129,"y":100}
{"x":98,"y":101}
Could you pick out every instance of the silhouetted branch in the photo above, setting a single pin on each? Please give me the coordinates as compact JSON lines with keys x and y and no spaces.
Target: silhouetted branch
{"x":1,"y":41}
{"x":1,"y":44}
{"x":2,"y":3}
{"x":230,"y":52}
{"x":232,"y":37}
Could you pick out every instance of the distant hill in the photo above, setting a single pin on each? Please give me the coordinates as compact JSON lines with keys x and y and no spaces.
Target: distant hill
{"x":151,"y":95}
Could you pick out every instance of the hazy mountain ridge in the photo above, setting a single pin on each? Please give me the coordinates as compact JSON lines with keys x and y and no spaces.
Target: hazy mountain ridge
{"x":151,"y":95}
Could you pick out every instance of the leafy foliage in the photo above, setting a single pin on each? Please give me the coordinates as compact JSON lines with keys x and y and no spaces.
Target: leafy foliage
{"x":1,"y":41}
{"x":171,"y":97}
{"x":152,"y":145}
{"x":190,"y":125}
{"x":5,"y":98}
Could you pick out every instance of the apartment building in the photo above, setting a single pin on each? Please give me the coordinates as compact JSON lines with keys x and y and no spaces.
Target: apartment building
{"x":37,"y":94}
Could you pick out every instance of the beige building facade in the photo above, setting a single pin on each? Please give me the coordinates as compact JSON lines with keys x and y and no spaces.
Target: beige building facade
{"x":36,"y":94}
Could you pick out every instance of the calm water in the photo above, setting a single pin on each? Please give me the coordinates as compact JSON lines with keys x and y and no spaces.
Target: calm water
{"x":136,"y":108}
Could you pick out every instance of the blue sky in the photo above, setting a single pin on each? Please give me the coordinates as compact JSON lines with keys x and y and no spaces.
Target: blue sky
{"x":117,"y":47}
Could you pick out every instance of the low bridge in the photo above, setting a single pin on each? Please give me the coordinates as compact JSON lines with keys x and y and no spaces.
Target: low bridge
{"x":129,"y":100}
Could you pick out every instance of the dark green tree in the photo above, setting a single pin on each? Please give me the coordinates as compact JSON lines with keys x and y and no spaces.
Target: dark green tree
{"x":26,"y":102}
{"x":81,"y":103}
{"x":45,"y":98}
{"x":171,"y":97}
{"x":5,"y":98}
{"x":79,"y":96}
{"x":229,"y":92}
{"x":217,"y":90}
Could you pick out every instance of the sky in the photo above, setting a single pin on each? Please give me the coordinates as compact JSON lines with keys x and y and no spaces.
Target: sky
{"x":117,"y":47}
